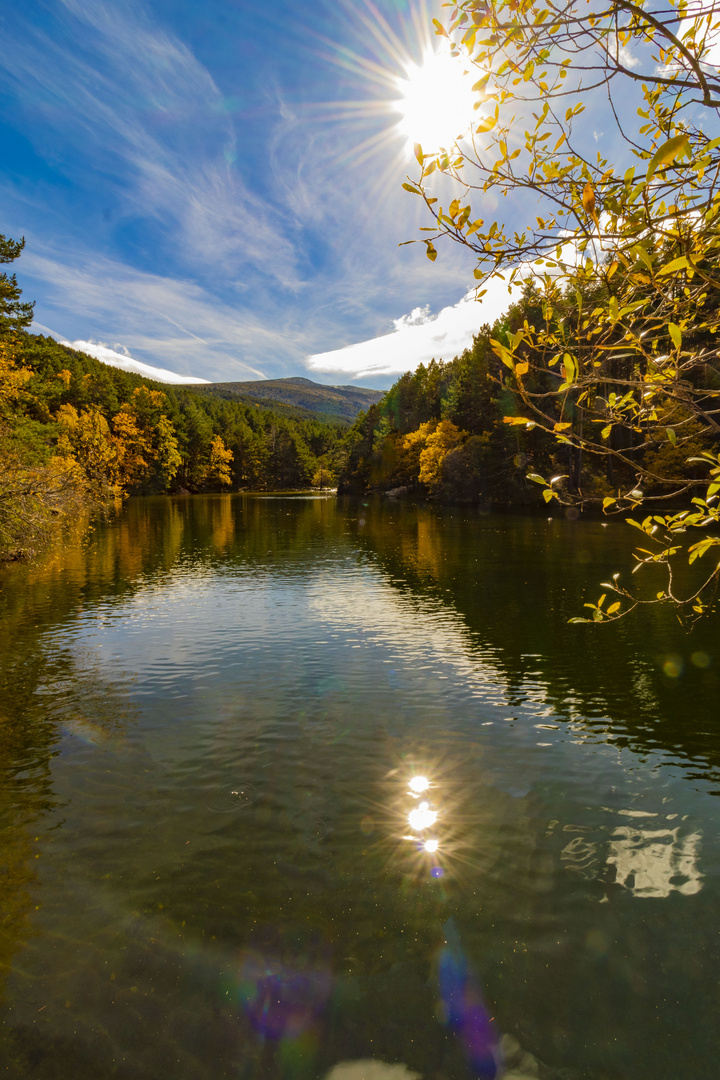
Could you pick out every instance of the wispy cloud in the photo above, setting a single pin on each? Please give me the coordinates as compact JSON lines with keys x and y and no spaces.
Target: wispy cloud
{"x":130,"y":91}
{"x":418,"y":337}
{"x":157,"y":318}
{"x":202,"y":240}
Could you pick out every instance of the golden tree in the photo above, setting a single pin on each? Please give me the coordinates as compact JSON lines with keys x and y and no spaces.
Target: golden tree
{"x":219,"y":466}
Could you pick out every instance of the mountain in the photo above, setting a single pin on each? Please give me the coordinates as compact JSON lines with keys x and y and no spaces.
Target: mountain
{"x":343,"y":402}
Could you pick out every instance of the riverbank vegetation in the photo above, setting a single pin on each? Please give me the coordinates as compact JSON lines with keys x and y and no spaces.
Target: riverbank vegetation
{"x":76,"y":434}
{"x":457,"y":431}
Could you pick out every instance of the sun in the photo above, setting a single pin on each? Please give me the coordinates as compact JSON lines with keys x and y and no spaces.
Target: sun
{"x":436,"y":105}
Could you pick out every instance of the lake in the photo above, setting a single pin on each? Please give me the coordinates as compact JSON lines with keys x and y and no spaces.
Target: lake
{"x":289,"y":782}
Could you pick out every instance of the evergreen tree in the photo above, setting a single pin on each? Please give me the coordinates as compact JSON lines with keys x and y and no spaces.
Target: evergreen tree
{"x":15,"y":314}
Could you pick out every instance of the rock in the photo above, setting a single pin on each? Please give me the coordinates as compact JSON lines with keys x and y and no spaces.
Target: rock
{"x":397,"y":493}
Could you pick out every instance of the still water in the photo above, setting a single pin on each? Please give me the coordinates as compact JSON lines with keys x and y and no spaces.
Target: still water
{"x":289,"y":783}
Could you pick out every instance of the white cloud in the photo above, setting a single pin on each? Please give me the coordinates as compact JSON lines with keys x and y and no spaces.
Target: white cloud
{"x":123,"y":360}
{"x":627,"y":58}
{"x":418,"y":337}
{"x":417,"y":317}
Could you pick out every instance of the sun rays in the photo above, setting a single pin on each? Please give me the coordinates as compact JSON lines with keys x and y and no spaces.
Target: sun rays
{"x":402,"y":87}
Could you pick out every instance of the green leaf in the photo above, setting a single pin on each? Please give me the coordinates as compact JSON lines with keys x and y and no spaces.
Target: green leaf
{"x":671,"y":435}
{"x":430,"y":250}
{"x":537,"y":479}
{"x":666,"y":153}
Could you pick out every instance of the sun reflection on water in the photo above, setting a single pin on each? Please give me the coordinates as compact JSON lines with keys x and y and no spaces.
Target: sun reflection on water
{"x":418,"y":784}
{"x":422,"y":817}
{"x":460,"y":1007}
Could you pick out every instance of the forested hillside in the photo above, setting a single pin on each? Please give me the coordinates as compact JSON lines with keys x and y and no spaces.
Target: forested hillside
{"x":76,"y":433}
{"x":331,"y":402}
{"x":464,"y":430}
{"x":167,"y":437}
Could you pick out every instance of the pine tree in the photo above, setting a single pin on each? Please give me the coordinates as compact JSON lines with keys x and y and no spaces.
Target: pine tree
{"x":14,"y":313}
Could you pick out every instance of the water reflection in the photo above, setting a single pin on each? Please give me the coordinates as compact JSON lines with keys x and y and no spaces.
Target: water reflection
{"x":199,"y":712}
{"x":646,"y":862}
{"x":513,"y":584}
{"x":369,"y":1069}
{"x":655,"y":862}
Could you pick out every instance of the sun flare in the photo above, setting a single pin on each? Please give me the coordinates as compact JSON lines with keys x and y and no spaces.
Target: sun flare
{"x":436,"y":102}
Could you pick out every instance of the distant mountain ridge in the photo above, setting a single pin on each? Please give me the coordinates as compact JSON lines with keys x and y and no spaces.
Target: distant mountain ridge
{"x":344,"y":402}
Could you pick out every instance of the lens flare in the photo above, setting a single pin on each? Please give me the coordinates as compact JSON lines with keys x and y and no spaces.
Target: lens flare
{"x":422,"y":818}
{"x":431,"y":845}
{"x":462,"y":1005}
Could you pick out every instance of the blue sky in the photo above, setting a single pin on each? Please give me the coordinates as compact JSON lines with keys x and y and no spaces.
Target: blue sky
{"x":215,"y":188}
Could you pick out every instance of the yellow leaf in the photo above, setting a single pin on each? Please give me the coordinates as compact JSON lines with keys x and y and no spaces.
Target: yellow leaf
{"x":561,"y":427}
{"x":588,"y":200}
{"x":676,"y":264}
{"x":499,"y":349}
{"x":666,"y":153}
{"x":522,"y":368}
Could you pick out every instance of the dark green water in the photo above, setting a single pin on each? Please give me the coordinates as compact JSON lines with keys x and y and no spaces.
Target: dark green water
{"x":210,"y":715}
